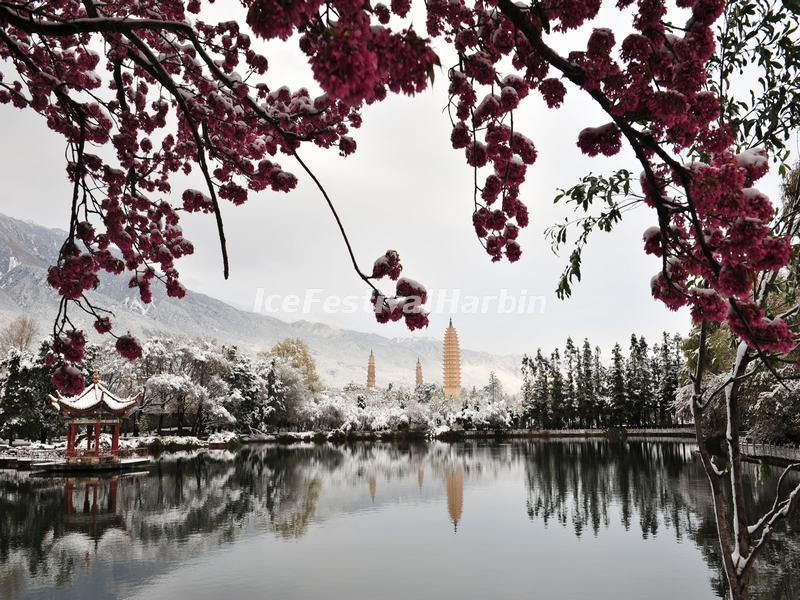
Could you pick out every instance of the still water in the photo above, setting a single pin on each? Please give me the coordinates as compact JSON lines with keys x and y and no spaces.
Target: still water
{"x":518,"y":520}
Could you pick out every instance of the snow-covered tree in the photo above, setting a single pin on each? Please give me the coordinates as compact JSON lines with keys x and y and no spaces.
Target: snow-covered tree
{"x":297,"y":352}
{"x":20,"y":333}
{"x":493,"y":391}
{"x":25,"y":410}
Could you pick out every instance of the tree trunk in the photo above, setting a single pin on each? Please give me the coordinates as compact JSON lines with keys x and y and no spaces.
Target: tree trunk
{"x":197,"y":421}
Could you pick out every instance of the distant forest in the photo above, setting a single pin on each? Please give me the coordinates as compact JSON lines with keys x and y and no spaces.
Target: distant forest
{"x":574,"y":388}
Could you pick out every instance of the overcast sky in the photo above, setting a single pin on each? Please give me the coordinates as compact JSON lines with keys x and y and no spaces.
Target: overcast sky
{"x":406,"y":189}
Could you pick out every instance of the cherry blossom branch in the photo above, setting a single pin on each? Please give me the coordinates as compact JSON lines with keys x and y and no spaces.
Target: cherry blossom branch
{"x":157,"y":71}
{"x":339,"y":223}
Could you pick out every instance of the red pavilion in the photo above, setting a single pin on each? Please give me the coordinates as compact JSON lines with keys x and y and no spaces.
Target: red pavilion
{"x":95,"y":408}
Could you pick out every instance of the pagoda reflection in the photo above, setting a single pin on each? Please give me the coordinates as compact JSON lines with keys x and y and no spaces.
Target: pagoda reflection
{"x":454,"y":485}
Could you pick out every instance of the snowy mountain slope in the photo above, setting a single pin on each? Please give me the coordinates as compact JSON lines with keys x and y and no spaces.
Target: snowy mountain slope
{"x":27,"y":249}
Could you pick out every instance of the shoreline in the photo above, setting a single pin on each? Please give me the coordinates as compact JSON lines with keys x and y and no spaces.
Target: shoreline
{"x":155,"y":445}
{"x":24,"y":456}
{"x":455,"y":435}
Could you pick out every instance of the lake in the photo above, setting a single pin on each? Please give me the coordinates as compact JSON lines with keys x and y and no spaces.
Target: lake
{"x":476,"y":520}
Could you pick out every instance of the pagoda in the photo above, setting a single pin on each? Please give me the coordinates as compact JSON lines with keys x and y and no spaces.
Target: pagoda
{"x":452,"y":362}
{"x":95,"y":407}
{"x":420,"y":381}
{"x":371,"y":370}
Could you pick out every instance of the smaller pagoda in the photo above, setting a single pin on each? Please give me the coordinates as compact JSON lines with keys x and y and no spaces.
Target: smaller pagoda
{"x":94,"y":408}
{"x":371,"y":370}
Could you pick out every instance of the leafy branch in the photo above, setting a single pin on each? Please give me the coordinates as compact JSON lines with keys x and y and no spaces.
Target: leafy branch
{"x":613,"y":194}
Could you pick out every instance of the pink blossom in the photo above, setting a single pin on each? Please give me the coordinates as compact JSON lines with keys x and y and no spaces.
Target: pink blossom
{"x":68,"y":379}
{"x":102,"y":325}
{"x":460,"y":136}
{"x":71,"y":345}
{"x":553,"y":92}
{"x":410,"y":288}
{"x":388,"y":264}
{"x":605,"y":139}
{"x":128,"y":347}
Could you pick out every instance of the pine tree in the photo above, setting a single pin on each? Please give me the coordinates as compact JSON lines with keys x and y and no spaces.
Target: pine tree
{"x":529,"y":378}
{"x":655,"y":418}
{"x":645,"y":383}
{"x":600,"y":389}
{"x":541,"y":391}
{"x":617,"y":383}
{"x":570,"y":392}
{"x":494,"y":389}
{"x":633,"y":384}
{"x":558,"y":415}
{"x":585,"y":388}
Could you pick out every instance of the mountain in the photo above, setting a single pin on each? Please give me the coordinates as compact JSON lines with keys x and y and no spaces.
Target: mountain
{"x":27,"y":249}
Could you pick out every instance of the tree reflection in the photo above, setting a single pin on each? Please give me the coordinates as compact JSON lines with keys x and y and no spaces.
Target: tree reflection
{"x":51,"y":530}
{"x":653,"y":488}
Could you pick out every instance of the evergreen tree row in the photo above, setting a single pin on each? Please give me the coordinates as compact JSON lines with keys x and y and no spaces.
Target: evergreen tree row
{"x":573,"y":388}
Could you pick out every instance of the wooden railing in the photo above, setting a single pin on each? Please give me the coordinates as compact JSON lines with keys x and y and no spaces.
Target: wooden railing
{"x":753,"y":449}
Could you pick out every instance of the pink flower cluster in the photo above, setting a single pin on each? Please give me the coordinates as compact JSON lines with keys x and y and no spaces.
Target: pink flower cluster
{"x":68,"y":379}
{"x":129,"y":347}
{"x":409,"y":298}
{"x":354,"y":59}
{"x":737,"y":244}
{"x":606,"y":140}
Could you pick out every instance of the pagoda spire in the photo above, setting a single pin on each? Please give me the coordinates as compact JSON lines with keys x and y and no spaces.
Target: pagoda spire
{"x":452,"y":362}
{"x":420,"y":380}
{"x":371,"y":370}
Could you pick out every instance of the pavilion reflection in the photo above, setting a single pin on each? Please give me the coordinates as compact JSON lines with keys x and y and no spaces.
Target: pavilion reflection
{"x":90,"y":504}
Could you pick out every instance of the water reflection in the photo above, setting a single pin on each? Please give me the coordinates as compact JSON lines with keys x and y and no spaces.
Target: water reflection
{"x":107,"y":537}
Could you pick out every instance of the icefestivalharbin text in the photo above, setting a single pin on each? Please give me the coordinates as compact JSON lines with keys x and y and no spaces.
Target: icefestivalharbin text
{"x":444,"y":301}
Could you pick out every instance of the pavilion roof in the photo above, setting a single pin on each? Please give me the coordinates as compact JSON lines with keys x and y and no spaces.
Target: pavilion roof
{"x":94,"y":399}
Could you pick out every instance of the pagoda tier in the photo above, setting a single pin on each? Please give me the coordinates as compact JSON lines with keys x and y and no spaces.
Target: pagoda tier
{"x":452,"y":362}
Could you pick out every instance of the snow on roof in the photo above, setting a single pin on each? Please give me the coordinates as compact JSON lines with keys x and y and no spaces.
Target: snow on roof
{"x":95,"y":396}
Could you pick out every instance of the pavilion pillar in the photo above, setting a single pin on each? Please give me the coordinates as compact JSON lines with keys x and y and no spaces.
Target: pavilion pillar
{"x":71,"y":439}
{"x":115,"y":441}
{"x":97,"y":438}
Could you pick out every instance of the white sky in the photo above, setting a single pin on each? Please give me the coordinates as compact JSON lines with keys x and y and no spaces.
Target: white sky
{"x":406,"y":189}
